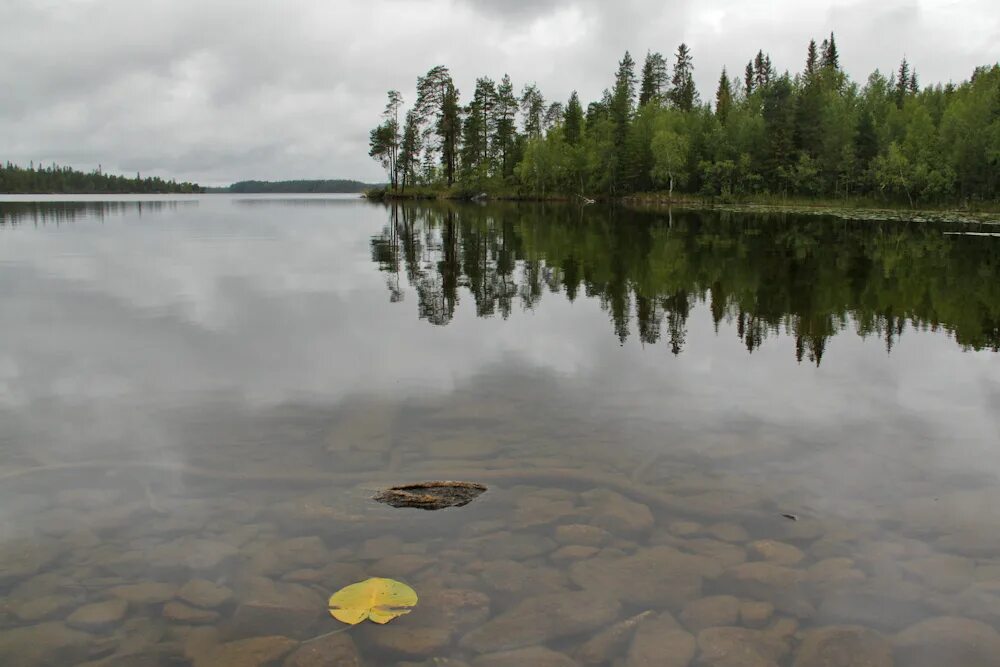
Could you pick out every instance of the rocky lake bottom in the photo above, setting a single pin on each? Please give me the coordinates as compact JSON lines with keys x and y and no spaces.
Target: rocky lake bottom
{"x":708,"y":439}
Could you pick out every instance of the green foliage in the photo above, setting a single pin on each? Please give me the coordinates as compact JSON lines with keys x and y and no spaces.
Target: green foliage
{"x":299,"y":186}
{"x":815,"y":134}
{"x":55,"y":179}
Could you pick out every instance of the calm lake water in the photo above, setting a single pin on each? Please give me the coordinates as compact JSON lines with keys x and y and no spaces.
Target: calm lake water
{"x":709,"y":438}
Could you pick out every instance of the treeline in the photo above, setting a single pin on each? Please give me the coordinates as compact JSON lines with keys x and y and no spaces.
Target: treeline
{"x":761,"y":276}
{"x":56,"y":179}
{"x":813,"y":134}
{"x":300,"y":186}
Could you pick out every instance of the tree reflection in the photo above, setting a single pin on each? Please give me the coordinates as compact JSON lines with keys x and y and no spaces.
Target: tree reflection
{"x":807,"y":278}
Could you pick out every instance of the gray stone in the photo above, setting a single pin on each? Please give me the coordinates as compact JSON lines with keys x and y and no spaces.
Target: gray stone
{"x":538,"y":620}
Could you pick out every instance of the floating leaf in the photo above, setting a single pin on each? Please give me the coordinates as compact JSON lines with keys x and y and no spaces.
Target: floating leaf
{"x":379,"y":599}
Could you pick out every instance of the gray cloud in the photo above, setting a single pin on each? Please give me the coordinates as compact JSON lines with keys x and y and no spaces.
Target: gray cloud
{"x":227,"y":90}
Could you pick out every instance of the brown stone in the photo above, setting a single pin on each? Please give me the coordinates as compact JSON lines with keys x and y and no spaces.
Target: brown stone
{"x":332,"y":651}
{"x":781,"y":586}
{"x":255,"y":652}
{"x":657,"y":576}
{"x":38,"y":609}
{"x":843,"y":646}
{"x":614,"y":512}
{"x":572,"y":552}
{"x":755,"y":614}
{"x":268,"y":606}
{"x":728,"y":532}
{"x":45,"y":644}
{"x":659,"y":642}
{"x":178,"y":612}
{"x":600,"y":648}
{"x":710,"y":612}
{"x":99,"y":616}
{"x":535,"y":656}
{"x":947,"y":640}
{"x":578,"y":533}
{"x":540,"y":619}
{"x":204,"y":594}
{"x":144,"y":594}
{"x":779,"y":553}
{"x":740,"y":647}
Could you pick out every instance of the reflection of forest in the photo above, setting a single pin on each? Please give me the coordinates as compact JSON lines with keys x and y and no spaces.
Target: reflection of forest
{"x":809,"y":277}
{"x":44,"y":212}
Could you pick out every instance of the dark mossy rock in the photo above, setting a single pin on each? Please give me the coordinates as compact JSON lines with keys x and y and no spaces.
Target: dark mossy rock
{"x":431,"y":495}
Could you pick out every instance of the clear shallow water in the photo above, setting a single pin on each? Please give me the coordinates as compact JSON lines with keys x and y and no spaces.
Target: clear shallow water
{"x":209,"y":390}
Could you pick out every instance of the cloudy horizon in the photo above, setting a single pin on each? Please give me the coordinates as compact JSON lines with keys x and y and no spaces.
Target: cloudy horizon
{"x":273,"y":91}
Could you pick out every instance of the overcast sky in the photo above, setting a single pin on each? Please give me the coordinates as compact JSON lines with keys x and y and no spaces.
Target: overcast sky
{"x":223,"y":90}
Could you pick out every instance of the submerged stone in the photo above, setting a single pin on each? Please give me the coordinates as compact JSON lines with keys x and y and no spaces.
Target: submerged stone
{"x":431,"y":495}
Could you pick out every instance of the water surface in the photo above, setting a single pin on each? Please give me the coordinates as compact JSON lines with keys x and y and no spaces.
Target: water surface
{"x":198,"y":396}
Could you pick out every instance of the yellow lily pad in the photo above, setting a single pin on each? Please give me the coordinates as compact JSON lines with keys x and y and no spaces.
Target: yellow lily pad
{"x":380,"y":600}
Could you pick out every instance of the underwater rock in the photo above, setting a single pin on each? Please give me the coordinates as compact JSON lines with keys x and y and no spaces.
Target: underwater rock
{"x":431,"y":495}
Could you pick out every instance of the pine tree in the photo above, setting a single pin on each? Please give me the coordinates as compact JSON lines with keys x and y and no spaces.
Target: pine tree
{"x":654,"y":79}
{"x":913,"y":85}
{"x":723,"y":97}
{"x":749,"y":78}
{"x":437,"y":101}
{"x":684,"y":95}
{"x":573,"y":120}
{"x":533,"y":110}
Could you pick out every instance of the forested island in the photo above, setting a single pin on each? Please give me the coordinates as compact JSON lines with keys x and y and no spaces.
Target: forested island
{"x":56,"y":179}
{"x":764,"y":136}
{"x":334,"y":186}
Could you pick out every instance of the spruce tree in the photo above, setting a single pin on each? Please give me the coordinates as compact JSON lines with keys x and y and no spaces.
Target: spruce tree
{"x":902,"y":83}
{"x":812,"y":60}
{"x":723,"y":97}
{"x":749,"y":78}
{"x":830,"y":59}
{"x":573,"y":120}
{"x":505,"y":136}
{"x":684,"y":95}
{"x":654,"y":79}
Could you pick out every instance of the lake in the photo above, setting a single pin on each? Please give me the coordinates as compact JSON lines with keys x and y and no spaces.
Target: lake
{"x":709,"y":438}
